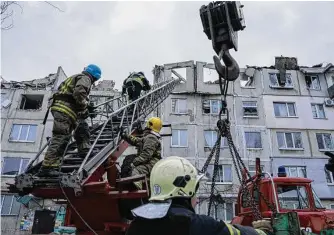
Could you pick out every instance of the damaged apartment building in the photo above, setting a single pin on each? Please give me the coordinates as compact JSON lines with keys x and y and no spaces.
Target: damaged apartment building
{"x":290,"y":125}
{"x":23,"y":108}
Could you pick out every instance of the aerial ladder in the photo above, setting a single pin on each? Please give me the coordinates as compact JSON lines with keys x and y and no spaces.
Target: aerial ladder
{"x":94,"y":181}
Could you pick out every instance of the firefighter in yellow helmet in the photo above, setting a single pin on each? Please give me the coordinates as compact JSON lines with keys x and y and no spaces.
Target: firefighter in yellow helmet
{"x":149,"y":148}
{"x":174,"y":182}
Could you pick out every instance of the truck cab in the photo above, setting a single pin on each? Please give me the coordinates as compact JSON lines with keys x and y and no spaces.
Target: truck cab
{"x":285,"y":194}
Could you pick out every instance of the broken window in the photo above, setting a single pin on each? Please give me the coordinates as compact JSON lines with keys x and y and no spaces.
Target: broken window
{"x":246,"y":81}
{"x":4,"y":101}
{"x":273,"y":77}
{"x":284,"y":109}
{"x":23,"y":133}
{"x":325,"y":141}
{"x":318,"y":111}
{"x":289,"y":140}
{"x":253,"y":140}
{"x":250,"y":108}
{"x":210,"y":75}
{"x":179,"y":73}
{"x":247,"y":78}
{"x":312,"y":82}
{"x":31,"y":102}
{"x":211,"y":106}
{"x":179,"y":106}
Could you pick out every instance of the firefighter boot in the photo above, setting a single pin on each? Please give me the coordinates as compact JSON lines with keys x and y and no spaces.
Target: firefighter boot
{"x":83,"y":148}
{"x":50,"y":167}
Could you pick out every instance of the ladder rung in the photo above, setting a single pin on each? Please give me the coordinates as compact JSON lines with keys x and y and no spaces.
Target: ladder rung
{"x":70,"y":166}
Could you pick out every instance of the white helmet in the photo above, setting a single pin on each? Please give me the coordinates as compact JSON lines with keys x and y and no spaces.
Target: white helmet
{"x":173,"y":177}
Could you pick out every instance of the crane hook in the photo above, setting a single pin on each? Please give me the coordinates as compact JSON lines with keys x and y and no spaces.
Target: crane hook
{"x":230,"y":71}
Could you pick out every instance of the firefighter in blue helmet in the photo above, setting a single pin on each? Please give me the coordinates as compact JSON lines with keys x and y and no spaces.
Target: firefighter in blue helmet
{"x":174,"y":182}
{"x":134,"y":84}
{"x":70,"y":108}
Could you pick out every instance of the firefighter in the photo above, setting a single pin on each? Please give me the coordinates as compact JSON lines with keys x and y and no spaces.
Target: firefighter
{"x":134,"y":84}
{"x":149,"y":148}
{"x":69,"y":105}
{"x":173,"y":184}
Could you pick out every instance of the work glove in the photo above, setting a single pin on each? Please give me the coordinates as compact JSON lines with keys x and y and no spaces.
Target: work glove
{"x":264,"y":225}
{"x":122,"y":131}
{"x":91,"y":110}
{"x":83,"y":114}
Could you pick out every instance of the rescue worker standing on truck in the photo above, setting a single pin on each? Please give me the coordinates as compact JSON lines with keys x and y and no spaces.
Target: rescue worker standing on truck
{"x":173,"y":184}
{"x":69,"y":104}
{"x":134,"y":84}
{"x":149,"y":148}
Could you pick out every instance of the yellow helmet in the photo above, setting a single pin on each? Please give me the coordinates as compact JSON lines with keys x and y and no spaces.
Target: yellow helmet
{"x":173,"y":177}
{"x":155,"y":124}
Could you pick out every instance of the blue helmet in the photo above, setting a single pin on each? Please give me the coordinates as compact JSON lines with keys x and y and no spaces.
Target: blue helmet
{"x":93,"y":70}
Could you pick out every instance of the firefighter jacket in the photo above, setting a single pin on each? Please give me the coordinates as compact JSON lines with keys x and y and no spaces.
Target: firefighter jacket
{"x":149,"y":148}
{"x":72,"y":95}
{"x":181,"y":220}
{"x":142,"y":80}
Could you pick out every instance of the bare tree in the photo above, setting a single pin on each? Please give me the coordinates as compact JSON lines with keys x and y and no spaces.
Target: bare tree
{"x":7,"y":13}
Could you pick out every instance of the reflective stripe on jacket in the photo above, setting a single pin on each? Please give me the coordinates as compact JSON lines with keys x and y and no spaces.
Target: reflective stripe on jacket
{"x":135,"y":78}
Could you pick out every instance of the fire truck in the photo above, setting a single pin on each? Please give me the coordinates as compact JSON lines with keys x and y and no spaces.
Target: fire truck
{"x":98,"y":192}
{"x":282,"y":194}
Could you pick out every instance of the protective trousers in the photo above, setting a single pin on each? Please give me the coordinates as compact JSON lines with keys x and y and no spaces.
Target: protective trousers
{"x":63,"y":126}
{"x":133,"y":89}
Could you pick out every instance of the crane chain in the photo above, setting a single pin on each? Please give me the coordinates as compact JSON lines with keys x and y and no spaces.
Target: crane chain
{"x":224,"y":129}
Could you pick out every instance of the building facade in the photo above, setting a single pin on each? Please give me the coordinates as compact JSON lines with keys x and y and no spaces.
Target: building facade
{"x":23,"y":108}
{"x":291,"y":125}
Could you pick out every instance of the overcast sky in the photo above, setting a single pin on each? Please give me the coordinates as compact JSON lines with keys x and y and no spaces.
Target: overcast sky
{"x":124,"y":36}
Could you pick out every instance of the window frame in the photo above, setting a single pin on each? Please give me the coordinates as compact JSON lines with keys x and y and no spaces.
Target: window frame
{"x":323,"y":141}
{"x":329,"y":175}
{"x":252,"y":173}
{"x":19,"y":134}
{"x":250,"y":106}
{"x":177,"y":105}
{"x":178,"y":146}
{"x":213,"y":211}
{"x":223,"y":142}
{"x":277,"y":86}
{"x":316,"y":105}
{"x":289,"y":167}
{"x":311,"y":87}
{"x":287,"y":108}
{"x":24,"y":96}
{"x":293,"y":140}
{"x":210,"y":105}
{"x":250,"y":148}
{"x":223,"y":175}
{"x":11,"y":204}
{"x":22,"y":159}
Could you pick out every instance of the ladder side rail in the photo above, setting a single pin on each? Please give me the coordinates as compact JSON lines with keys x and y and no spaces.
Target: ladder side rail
{"x":96,"y":161}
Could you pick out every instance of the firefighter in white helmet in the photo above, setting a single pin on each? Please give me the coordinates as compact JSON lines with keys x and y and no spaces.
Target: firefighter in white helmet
{"x":174,"y":182}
